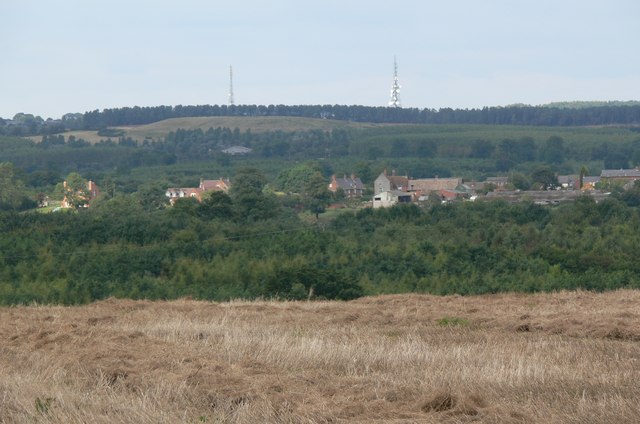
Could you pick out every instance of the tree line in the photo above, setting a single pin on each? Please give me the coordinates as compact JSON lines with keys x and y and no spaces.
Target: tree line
{"x":506,"y":115}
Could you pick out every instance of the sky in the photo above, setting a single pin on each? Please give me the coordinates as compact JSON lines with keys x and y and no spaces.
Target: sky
{"x":65,"y":56}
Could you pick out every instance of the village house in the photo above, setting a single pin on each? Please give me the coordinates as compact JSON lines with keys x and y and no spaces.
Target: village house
{"x":423,"y":187}
{"x":391,"y":182}
{"x":196,"y":192}
{"x":86,"y":196}
{"x":589,"y":183}
{"x":352,"y":186}
{"x":390,"y":198}
{"x":569,"y":182}
{"x":623,"y":176}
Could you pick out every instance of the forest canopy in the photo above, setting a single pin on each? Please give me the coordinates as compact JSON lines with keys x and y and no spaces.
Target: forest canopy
{"x":215,"y":251}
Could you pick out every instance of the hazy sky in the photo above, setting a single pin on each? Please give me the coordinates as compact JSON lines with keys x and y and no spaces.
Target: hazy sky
{"x":78,"y":55}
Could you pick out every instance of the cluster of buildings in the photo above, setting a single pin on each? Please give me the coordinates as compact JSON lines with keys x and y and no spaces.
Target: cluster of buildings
{"x":390,"y":189}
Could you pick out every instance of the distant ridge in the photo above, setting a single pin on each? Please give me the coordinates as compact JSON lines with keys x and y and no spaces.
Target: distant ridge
{"x":588,"y":104}
{"x":610,"y":114}
{"x":553,"y":114}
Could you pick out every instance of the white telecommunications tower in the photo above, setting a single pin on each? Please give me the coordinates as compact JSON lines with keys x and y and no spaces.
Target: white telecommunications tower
{"x":230,"y":85}
{"x":395,"y":88}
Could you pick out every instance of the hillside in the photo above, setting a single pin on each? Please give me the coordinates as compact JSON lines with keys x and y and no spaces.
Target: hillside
{"x":568,"y":357}
{"x":591,"y":104}
{"x":160,"y":129}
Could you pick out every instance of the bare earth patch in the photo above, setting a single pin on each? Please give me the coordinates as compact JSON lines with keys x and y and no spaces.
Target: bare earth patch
{"x":569,"y":357}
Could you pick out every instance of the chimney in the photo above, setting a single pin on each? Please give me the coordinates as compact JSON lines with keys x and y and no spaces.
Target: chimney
{"x":385,"y":172}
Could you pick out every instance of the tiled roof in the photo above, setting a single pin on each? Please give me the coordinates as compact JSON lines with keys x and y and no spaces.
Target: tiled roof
{"x":398,"y":181}
{"x":350,"y":183}
{"x":220,"y":185}
{"x":620,"y":173}
{"x":434,"y":184}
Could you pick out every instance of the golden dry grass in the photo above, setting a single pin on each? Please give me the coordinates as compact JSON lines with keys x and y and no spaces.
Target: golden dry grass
{"x":569,"y":357}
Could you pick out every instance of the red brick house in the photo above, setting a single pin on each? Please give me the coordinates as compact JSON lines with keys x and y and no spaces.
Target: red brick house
{"x":91,"y":192}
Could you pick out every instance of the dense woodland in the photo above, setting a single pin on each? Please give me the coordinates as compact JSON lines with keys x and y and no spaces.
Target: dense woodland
{"x":264,"y":238}
{"x":249,"y":245}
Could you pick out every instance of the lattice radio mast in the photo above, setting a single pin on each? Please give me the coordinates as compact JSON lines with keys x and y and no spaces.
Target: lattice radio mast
{"x":231,"y":101}
{"x":395,"y":88}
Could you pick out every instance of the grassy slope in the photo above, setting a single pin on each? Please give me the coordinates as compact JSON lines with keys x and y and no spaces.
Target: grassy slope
{"x":567,"y":357}
{"x":256,"y":124}
{"x":373,"y":131}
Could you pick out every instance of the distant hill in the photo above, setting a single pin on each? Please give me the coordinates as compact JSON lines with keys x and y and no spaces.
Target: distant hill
{"x":281,"y":117}
{"x":158,"y":130}
{"x":589,"y":104}
{"x":509,"y":115}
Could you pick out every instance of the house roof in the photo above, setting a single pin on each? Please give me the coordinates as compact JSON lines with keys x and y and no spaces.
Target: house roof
{"x":237,"y":150}
{"x":620,"y":173}
{"x":205,"y":185}
{"x":218,"y":185}
{"x":395,"y":181}
{"x":449,"y":194}
{"x":398,"y":181}
{"x":567,"y":179}
{"x":348,"y":183}
{"x":434,"y":184}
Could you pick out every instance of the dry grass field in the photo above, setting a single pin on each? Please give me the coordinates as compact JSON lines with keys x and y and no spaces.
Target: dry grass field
{"x":569,"y":357}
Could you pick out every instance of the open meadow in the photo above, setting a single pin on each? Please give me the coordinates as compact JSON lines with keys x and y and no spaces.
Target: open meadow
{"x":567,"y":357}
